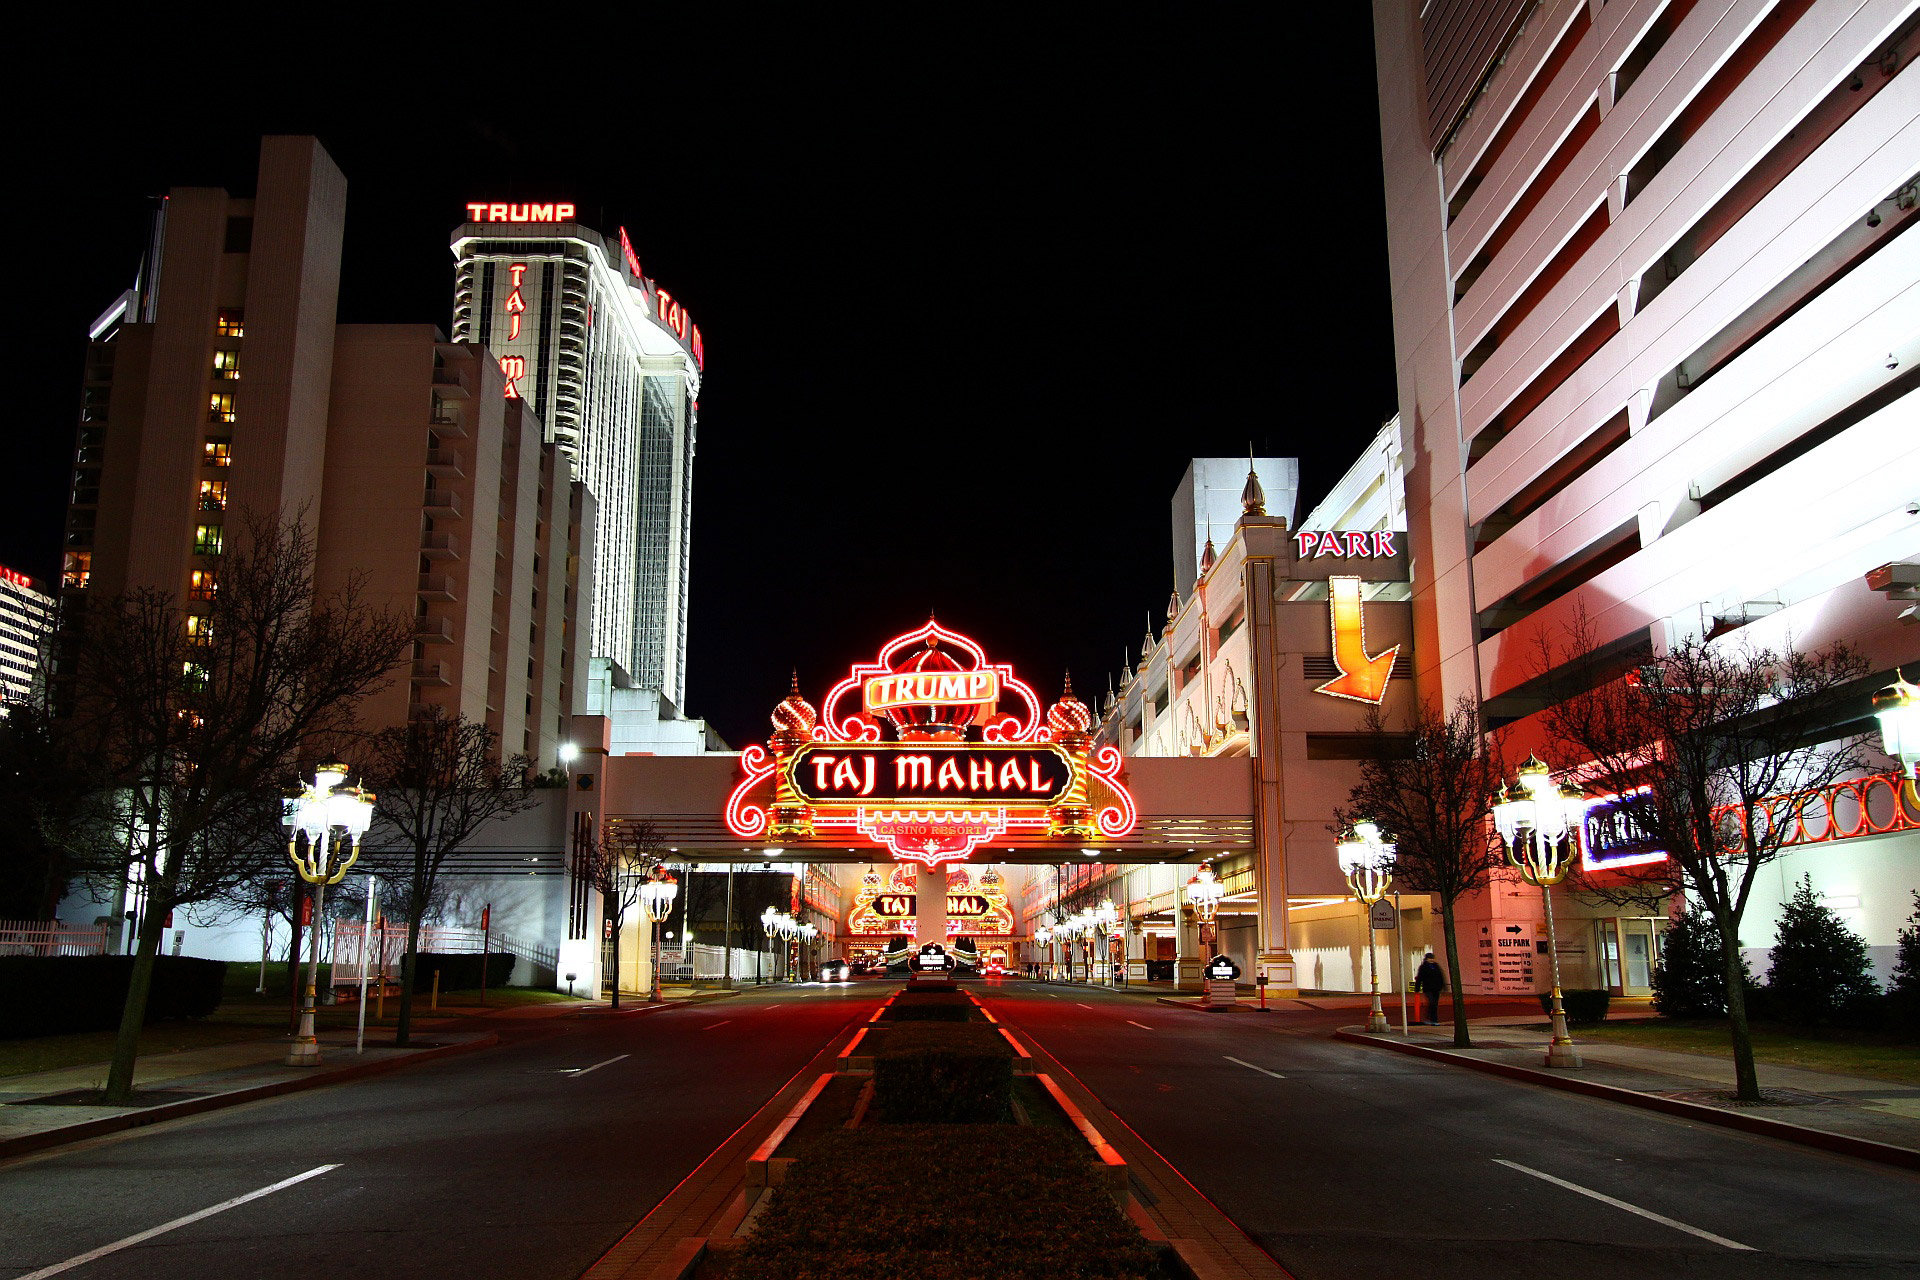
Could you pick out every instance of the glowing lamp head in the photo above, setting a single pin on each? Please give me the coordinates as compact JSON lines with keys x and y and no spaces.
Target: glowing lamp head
{"x":656,"y":896}
{"x":329,"y":776}
{"x":1204,"y":892}
{"x":1535,"y":777}
{"x":1897,"y":708}
{"x":568,"y":753}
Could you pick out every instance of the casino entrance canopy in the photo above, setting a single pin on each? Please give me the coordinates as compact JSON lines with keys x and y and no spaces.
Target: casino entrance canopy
{"x":1188,"y":809}
{"x":930,"y":754}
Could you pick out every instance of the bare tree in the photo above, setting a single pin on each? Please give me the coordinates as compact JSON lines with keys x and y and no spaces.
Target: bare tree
{"x":438,"y":779}
{"x":1702,"y":746}
{"x":201,"y":714}
{"x":1430,"y":789}
{"x":617,"y":863}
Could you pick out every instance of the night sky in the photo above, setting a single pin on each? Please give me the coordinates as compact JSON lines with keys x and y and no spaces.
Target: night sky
{"x":972,"y":295}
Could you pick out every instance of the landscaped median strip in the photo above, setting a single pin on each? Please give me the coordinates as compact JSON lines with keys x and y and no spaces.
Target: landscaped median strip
{"x":1844,"y":1144}
{"x":320,"y":1077}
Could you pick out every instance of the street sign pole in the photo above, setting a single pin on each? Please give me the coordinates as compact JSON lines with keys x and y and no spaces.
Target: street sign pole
{"x":486,"y":935}
{"x":366,"y":940}
{"x":1400,"y":962}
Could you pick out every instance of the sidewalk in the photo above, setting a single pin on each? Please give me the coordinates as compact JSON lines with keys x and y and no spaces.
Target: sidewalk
{"x":1858,"y":1115}
{"x":40,"y":1109}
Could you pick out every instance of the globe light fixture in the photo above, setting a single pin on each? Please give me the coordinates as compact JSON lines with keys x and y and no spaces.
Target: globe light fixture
{"x":1536,"y":820}
{"x":1366,"y":859}
{"x":1897,"y":708}
{"x":656,"y":899}
{"x":333,"y":817}
{"x":1204,"y":892}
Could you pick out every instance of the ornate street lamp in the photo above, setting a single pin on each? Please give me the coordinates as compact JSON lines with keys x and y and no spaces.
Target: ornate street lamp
{"x":1535,"y":819}
{"x":1043,"y":937}
{"x":1366,"y":860}
{"x":656,"y":899}
{"x":808,"y":932}
{"x":1204,"y":892}
{"x":767,"y":919}
{"x":333,"y":817}
{"x":1897,"y":708}
{"x":1106,"y":919}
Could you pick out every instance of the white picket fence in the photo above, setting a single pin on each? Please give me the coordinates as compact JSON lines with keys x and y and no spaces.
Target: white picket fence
{"x":51,"y":938}
{"x":389,"y":945}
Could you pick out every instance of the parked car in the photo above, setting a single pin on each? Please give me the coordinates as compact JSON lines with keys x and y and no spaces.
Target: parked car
{"x":835,"y":971}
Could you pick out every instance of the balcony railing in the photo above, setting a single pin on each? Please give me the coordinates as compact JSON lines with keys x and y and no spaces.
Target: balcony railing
{"x":440,"y":546}
{"x":431,"y":673}
{"x":436,"y":586}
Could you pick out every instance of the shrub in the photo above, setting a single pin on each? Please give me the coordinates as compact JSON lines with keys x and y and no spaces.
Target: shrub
{"x":940,"y":1073}
{"x":1690,"y":981}
{"x":931,"y":1007}
{"x":49,"y":995}
{"x":1582,"y":1006}
{"x":942,"y":1202}
{"x":1819,"y":971}
{"x":1903,"y":992}
{"x":461,"y":971}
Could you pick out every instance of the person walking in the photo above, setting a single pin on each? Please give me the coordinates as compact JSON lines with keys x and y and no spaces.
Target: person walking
{"x":1431,"y":981}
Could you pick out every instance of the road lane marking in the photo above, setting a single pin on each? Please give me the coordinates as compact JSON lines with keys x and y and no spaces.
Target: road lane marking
{"x":723,"y":1022}
{"x":578,"y":1072}
{"x":1649,"y":1214}
{"x":164,"y":1227}
{"x":1262,"y":1070}
{"x":1083,"y":1006}
{"x":1143,"y":1026}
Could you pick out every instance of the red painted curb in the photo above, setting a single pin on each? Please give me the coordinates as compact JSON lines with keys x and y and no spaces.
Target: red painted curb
{"x":28,"y":1143}
{"x":1864,"y":1148}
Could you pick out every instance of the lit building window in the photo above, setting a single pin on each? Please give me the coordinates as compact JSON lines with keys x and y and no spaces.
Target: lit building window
{"x":201,"y":585}
{"x":206,"y":540}
{"x":220,"y":407}
{"x":219,"y":453}
{"x":226,"y":364}
{"x":78,"y":569}
{"x":231,"y":324}
{"x":199,"y":629}
{"x":213,"y":495}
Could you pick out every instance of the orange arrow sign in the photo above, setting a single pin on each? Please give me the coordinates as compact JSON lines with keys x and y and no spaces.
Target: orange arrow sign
{"x":1361,"y":678}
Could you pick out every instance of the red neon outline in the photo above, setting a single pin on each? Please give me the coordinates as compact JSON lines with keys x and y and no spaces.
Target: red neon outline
{"x":1114,"y":820}
{"x":861,"y":727}
{"x":749,"y":821}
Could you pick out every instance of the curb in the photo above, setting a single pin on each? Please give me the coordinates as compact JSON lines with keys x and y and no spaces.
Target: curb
{"x":26,"y":1144}
{"x":1840,"y":1143}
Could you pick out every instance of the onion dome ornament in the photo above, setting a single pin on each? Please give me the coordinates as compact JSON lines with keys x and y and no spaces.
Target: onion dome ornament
{"x":1069,"y":720}
{"x":923,"y":722}
{"x":1173,"y":605}
{"x":1253,"y":498}
{"x":1146,"y":646}
{"x":788,"y":817}
{"x":795,"y":714}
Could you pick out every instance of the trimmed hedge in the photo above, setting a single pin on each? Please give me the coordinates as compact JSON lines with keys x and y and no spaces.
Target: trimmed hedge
{"x":461,"y":971}
{"x":934,"y":1006}
{"x":942,"y":1073}
{"x":945,"y":1202}
{"x":1582,"y":1006}
{"x":51,"y":995}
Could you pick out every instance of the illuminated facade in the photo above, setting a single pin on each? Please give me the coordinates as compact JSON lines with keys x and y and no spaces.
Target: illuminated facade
{"x":221,"y":384}
{"x":1657,"y":333}
{"x":26,"y":622}
{"x":611,"y":362}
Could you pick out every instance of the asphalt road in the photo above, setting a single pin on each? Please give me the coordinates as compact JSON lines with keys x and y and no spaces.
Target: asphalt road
{"x":510,"y":1162}
{"x":1344,"y":1161}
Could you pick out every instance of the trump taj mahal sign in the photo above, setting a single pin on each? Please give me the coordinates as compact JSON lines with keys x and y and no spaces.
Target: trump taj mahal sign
{"x":927,"y":765}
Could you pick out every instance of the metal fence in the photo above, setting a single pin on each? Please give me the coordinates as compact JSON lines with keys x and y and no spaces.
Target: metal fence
{"x":389,"y":944}
{"x":51,"y":938}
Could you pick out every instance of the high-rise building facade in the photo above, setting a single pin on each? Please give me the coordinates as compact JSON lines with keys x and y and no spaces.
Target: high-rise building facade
{"x":1657,"y":327}
{"x":612,"y":364}
{"x":26,"y":622}
{"x":221,"y":384}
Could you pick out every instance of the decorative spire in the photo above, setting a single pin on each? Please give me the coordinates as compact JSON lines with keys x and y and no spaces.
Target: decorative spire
{"x":1173,"y":605}
{"x":1069,"y":715}
{"x":1253,"y":499}
{"x":1207,"y":554}
{"x":795,"y":714}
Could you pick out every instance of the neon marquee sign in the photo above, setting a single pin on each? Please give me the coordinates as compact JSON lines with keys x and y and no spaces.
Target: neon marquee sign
{"x":930,"y":793}
{"x":480,"y":211}
{"x":1372,"y":544}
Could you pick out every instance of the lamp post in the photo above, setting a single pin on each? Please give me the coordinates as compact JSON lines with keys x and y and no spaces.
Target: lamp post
{"x":1204,"y":892}
{"x":1534,"y":819}
{"x":1043,"y":937}
{"x":656,"y":899}
{"x":1365,"y":858}
{"x":1897,"y":708}
{"x":767,"y":933}
{"x":1106,"y":917}
{"x":333,"y":817}
{"x":808,"y":932}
